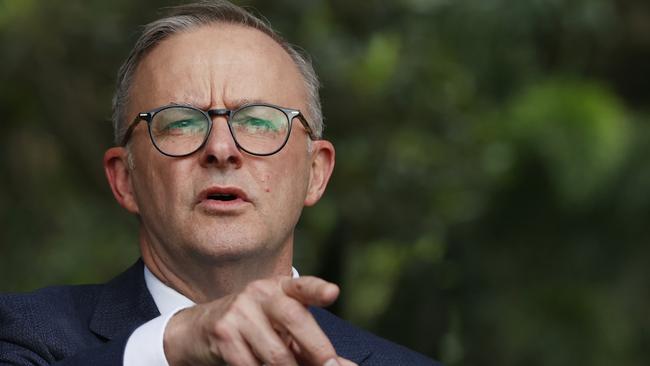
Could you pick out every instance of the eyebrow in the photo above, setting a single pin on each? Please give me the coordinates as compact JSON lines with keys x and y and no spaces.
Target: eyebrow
{"x":185,"y":103}
{"x":238,"y":103}
{"x":232,"y":104}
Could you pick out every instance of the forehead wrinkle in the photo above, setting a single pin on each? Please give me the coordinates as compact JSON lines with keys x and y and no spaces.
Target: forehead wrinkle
{"x":233,"y":99}
{"x":200,"y":92}
{"x":276,"y":62}
{"x":161,"y":91}
{"x":208,"y":80}
{"x":268,"y":91}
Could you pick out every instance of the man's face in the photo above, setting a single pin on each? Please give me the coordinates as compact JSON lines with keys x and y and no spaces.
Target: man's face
{"x":219,"y":66}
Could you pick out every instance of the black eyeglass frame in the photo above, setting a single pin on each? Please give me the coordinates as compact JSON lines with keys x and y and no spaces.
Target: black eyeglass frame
{"x":211,"y":113}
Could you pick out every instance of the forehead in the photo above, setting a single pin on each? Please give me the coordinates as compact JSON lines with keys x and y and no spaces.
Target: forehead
{"x":219,"y":65}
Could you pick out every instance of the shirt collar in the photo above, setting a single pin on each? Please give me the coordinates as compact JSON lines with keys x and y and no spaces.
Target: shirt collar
{"x":169,"y":300}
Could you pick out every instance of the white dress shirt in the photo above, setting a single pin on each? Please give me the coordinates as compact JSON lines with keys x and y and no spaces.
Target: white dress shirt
{"x":145,"y":346}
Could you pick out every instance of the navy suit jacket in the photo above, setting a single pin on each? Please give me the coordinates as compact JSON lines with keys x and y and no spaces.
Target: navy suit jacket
{"x":90,"y":324}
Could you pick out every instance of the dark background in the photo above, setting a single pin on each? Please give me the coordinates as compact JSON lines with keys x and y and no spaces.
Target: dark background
{"x":491,"y":200}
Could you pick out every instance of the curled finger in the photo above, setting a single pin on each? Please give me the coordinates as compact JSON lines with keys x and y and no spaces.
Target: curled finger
{"x":311,"y":343}
{"x":265,"y":341}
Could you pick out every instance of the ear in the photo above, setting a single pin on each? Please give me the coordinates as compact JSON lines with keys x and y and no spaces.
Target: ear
{"x":117,"y":171}
{"x":322,"y":164}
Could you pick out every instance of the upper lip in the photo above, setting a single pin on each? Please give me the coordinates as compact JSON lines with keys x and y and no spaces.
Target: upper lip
{"x":217,"y":190}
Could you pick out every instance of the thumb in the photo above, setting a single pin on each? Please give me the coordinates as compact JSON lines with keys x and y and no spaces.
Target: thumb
{"x":310,"y":290}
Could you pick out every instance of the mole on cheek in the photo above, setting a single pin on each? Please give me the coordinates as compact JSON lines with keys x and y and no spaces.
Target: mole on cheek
{"x":266,"y":180}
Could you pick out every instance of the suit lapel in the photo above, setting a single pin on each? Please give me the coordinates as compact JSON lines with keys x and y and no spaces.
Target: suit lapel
{"x":123,"y":305}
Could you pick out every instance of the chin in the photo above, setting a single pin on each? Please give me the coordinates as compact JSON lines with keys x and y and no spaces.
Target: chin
{"x":228,"y":250}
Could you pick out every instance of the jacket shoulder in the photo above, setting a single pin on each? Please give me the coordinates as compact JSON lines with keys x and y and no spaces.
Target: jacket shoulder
{"x":51,"y":322}
{"x":49,"y":304}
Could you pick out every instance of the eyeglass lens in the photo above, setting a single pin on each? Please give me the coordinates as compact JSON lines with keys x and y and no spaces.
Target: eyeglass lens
{"x":182,"y":130}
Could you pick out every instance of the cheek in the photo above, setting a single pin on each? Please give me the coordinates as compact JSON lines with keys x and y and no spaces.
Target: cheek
{"x":266,"y":183}
{"x":281,"y":182}
{"x":277,"y":187}
{"x":160,"y":197}
{"x":149,"y":194}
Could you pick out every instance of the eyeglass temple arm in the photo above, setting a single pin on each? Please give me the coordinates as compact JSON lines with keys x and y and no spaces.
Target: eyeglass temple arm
{"x":129,"y":131}
{"x":309,"y":130}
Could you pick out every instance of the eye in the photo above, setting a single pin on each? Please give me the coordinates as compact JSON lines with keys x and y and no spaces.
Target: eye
{"x":183,"y":126}
{"x":255,"y":125}
{"x":184,"y":123}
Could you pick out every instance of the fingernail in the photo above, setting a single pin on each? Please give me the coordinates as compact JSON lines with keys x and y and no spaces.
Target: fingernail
{"x":332,"y":362}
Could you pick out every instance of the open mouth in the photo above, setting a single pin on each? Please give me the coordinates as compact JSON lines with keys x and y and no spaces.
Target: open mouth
{"x":222,"y":197}
{"x":223,"y":194}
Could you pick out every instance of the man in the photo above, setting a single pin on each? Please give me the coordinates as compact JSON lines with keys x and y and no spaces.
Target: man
{"x":223,"y":153}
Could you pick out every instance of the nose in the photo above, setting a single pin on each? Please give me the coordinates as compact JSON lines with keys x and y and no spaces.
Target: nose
{"x":220,"y":150}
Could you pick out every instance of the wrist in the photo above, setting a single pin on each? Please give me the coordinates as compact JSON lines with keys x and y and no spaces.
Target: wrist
{"x":177,"y":338}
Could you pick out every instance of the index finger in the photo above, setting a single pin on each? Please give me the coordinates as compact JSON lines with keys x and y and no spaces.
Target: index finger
{"x":310,"y":290}
{"x":313,"y":346}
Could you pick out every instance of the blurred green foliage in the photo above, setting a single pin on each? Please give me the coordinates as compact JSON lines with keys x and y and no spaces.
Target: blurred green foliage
{"x":491,"y":200}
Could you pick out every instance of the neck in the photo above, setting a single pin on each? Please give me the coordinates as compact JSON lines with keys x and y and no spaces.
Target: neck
{"x":206,"y":280}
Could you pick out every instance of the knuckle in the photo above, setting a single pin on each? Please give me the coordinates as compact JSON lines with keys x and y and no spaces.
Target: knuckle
{"x":237,"y":304}
{"x":238,"y":307}
{"x":260,"y":287}
{"x":223,"y":330}
{"x":323,"y":352}
{"x":279,"y":356}
{"x":299,"y":285}
{"x":291,"y":313}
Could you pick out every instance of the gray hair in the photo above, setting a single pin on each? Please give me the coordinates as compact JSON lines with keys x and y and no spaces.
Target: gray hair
{"x":191,"y":16}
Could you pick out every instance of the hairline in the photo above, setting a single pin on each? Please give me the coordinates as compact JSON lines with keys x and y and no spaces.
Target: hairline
{"x":159,"y":30}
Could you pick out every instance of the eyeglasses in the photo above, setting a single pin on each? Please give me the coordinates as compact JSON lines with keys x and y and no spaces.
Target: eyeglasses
{"x":181,"y":130}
